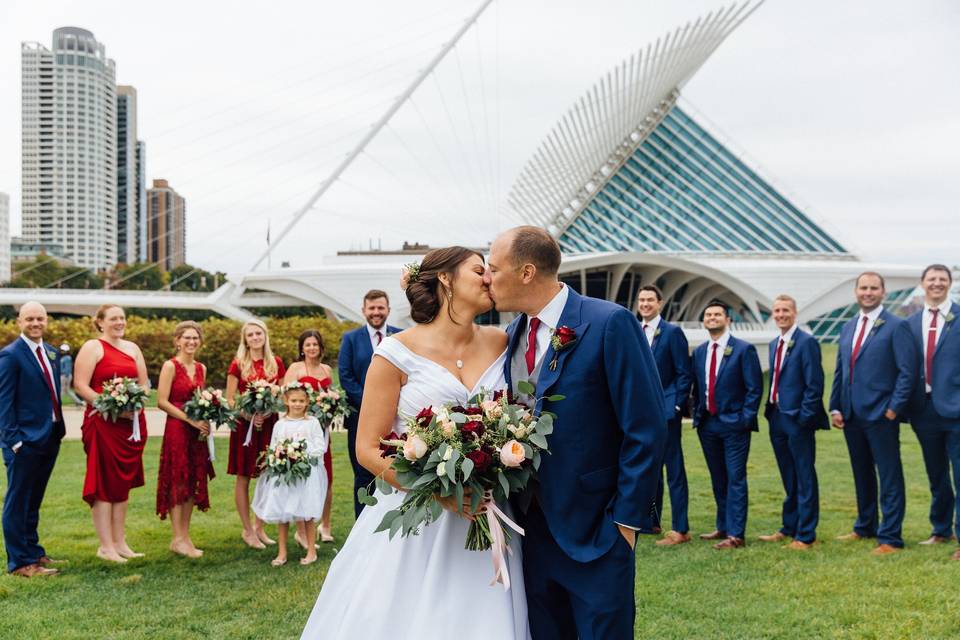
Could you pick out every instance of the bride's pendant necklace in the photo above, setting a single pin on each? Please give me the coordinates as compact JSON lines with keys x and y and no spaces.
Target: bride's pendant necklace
{"x":459,"y":364}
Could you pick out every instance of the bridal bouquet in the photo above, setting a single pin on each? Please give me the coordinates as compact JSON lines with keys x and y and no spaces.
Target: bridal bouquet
{"x":329,"y":405}
{"x":287,"y":461}
{"x":210,"y":406}
{"x":120,"y":395}
{"x":480,"y":454}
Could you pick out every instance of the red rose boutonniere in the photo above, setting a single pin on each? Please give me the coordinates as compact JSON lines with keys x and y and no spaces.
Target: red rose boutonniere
{"x":561,"y":339}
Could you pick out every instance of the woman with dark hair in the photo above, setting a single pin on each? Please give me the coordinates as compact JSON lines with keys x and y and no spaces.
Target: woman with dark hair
{"x":445,"y":358}
{"x":311,"y":371}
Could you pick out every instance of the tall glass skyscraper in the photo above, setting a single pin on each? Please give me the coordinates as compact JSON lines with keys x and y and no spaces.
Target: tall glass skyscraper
{"x":69,"y":147}
{"x":130,"y":202}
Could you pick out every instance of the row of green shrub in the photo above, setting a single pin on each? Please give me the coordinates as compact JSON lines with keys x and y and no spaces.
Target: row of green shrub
{"x":220,"y":339}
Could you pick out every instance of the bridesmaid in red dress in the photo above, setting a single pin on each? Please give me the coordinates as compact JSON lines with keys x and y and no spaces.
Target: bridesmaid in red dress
{"x":184,"y":458}
{"x":254,"y":361}
{"x":114,"y":457}
{"x":310,"y":370}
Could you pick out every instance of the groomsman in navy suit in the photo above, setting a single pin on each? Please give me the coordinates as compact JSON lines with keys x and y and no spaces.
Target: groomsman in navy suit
{"x":794,"y":412}
{"x":935,"y":410}
{"x":872,"y":386}
{"x":356,"y":351}
{"x":672,"y":354}
{"x":728,"y":386}
{"x":31,"y":427}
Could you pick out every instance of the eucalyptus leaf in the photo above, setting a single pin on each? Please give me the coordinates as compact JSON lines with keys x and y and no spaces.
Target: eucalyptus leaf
{"x":435,"y":510}
{"x":458,"y":418}
{"x":395,"y":526}
{"x":504,"y":483}
{"x":526,"y":387}
{"x":383,"y":486}
{"x":556,"y":398}
{"x":467,"y":468}
{"x":387,"y":520}
{"x":538,"y":440}
{"x":458,"y":494}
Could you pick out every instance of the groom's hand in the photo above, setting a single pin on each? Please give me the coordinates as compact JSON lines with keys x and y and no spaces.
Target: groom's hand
{"x":628,"y":534}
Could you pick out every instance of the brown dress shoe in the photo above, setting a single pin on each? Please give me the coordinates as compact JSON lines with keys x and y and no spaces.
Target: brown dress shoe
{"x":46,"y":561}
{"x":936,"y":540}
{"x":713,"y":535}
{"x":956,"y":555}
{"x":33,"y":570}
{"x":797,"y":545}
{"x":773,"y":537}
{"x":850,"y":537}
{"x":672,"y":538}
{"x":730,"y":543}
{"x":885,"y":549}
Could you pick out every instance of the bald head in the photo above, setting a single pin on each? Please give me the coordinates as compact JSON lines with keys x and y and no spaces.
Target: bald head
{"x":32,"y":320}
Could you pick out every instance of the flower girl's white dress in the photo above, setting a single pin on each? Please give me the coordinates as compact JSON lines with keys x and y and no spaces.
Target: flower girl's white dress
{"x":276,"y":501}
{"x":424,"y":586}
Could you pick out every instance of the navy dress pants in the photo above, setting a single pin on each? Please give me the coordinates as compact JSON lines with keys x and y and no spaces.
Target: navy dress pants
{"x":726,"y":449}
{"x":361,"y":477}
{"x":676,"y":481}
{"x":940,"y":442}
{"x":795,"y":448}
{"x":874,"y":449}
{"x":28,"y":472}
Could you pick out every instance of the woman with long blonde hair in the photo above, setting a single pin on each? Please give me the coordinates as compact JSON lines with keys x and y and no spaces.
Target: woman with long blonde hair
{"x":254,"y":361}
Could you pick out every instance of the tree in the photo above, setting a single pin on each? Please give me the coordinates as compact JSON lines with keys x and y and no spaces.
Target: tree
{"x":45,"y":271}
{"x":138,"y":276}
{"x":189,"y":278}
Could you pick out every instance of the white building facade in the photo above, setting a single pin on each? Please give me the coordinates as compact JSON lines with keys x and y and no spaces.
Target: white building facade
{"x":69,"y":147}
{"x":4,"y":237}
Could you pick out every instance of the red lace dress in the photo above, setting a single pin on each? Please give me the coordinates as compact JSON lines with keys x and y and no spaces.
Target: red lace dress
{"x":243,"y":460}
{"x":327,"y":458}
{"x":184,"y":459}
{"x":114,"y":461}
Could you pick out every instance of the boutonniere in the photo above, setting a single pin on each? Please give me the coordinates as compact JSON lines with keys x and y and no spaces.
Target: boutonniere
{"x":52,"y":354}
{"x":728,"y":351}
{"x":789,"y":346}
{"x":657,"y":332}
{"x":561,"y":339}
{"x":877,"y":324}
{"x":949,"y":317}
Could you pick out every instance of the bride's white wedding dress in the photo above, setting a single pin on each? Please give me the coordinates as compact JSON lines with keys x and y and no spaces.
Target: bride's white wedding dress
{"x":424,"y":586}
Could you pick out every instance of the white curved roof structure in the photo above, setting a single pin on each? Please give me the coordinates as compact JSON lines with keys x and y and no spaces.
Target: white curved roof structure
{"x":600,"y":130}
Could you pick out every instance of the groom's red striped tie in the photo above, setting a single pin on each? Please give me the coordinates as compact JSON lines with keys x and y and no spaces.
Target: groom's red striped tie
{"x":50,"y":386}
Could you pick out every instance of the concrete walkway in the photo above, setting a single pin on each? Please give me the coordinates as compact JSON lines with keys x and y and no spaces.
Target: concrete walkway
{"x":73,"y":416}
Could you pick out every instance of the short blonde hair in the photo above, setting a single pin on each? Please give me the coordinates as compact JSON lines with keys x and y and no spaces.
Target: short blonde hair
{"x":785,"y":298}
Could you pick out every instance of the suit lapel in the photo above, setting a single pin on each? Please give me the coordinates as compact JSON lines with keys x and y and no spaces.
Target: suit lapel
{"x":570,"y":317}
{"x":948,"y":326}
{"x":514,"y":331}
{"x":874,"y":330}
{"x":731,"y":344}
{"x":366,"y":347}
{"x":700,"y":362}
{"x":31,"y":362}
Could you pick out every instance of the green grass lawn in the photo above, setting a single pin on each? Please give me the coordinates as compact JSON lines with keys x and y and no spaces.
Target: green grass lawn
{"x":835,"y":590}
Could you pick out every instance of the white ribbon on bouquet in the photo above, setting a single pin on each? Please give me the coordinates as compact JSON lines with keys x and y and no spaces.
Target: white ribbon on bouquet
{"x":494,"y":517}
{"x":210,"y":447}
{"x":135,"y":431}
{"x":249,"y":438}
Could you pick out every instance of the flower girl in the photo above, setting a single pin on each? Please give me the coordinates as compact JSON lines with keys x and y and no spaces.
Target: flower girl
{"x":293,"y":484}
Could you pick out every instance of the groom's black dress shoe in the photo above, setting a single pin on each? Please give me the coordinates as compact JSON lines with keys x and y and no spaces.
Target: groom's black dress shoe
{"x":713,"y":535}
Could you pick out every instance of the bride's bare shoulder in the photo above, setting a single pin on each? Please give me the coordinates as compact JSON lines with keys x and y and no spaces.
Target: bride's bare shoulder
{"x":495,"y":336}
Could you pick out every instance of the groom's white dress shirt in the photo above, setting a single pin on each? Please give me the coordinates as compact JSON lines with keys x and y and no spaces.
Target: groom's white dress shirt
{"x":549,"y":319}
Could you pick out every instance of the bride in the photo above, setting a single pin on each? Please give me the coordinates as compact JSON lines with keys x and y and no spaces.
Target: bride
{"x":427,"y":585}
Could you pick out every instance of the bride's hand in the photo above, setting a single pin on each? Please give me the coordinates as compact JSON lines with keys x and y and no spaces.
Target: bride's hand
{"x":450,"y":504}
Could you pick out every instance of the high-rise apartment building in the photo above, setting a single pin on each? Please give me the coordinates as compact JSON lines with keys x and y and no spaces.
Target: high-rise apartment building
{"x":130,"y":203}
{"x":4,"y":237}
{"x":166,"y":226}
{"x":142,"y":199}
{"x":69,"y":147}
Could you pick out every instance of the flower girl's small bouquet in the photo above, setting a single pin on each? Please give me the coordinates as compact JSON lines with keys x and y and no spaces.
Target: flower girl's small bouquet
{"x":480,"y":453}
{"x":329,"y":405}
{"x":210,"y":406}
{"x":288,"y":461}
{"x":122,"y":395}
{"x":259,"y":398}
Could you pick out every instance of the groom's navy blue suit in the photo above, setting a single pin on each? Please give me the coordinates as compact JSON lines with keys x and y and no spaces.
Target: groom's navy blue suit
{"x":605,"y":455}
{"x":26,"y":422}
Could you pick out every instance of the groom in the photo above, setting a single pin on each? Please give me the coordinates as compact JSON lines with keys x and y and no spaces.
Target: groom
{"x":606,"y":450}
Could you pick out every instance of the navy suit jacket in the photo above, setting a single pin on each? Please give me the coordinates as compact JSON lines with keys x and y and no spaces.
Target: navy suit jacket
{"x":26,"y":410}
{"x":352,"y":364}
{"x":739,"y":386}
{"x":672,"y":355}
{"x":606,"y":449}
{"x":884,"y":375}
{"x":946,"y":365}
{"x":800,"y":394}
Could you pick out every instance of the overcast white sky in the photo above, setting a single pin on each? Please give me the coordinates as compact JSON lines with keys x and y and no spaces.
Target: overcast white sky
{"x":851,"y":108}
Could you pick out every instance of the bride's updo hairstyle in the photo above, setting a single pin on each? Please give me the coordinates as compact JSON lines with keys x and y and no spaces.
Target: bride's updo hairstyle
{"x":425,"y":292}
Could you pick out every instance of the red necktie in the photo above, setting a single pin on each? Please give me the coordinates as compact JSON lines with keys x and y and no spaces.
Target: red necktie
{"x":711,"y":387}
{"x":931,"y":346}
{"x":531,"y":354}
{"x":776,"y":372}
{"x":50,"y":386}
{"x":856,"y":346}
{"x":379,"y":337}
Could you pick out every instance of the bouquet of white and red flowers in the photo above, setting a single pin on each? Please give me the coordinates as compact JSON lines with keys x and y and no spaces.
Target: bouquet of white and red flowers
{"x":287,"y":461}
{"x":210,"y":406}
{"x":479,"y":453}
{"x":329,"y":405}
{"x":122,"y":395}
{"x":260,"y":398}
